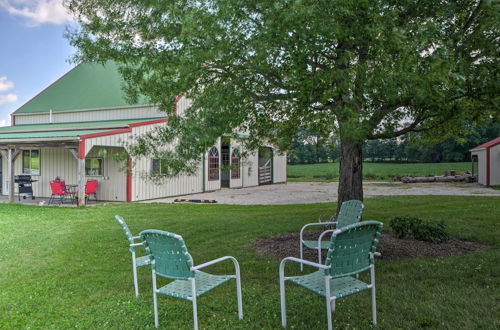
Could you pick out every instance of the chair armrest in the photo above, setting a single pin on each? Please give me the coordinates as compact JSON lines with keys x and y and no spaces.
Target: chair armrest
{"x":137,"y":244}
{"x":320,"y":238}
{"x":329,"y":217}
{"x":235,"y":262}
{"x":315,"y":224}
{"x":136,"y":237}
{"x":302,"y":261}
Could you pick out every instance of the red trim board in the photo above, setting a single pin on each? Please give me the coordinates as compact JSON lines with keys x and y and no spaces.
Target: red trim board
{"x":129,"y":180}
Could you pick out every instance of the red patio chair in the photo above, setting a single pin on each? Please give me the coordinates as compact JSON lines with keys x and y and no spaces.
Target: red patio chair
{"x":59,"y":193}
{"x":91,"y":189}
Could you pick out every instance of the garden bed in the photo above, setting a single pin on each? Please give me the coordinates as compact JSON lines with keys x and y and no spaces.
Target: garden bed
{"x":391,"y":247}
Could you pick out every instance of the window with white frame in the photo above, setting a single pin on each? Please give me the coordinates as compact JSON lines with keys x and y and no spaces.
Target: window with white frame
{"x":213,"y":164}
{"x":94,"y":166}
{"x":31,"y":162}
{"x":157,"y":166}
{"x":235,"y":164}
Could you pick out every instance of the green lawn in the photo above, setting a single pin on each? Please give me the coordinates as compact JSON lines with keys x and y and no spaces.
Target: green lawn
{"x":70,"y":268}
{"x":372,"y":171}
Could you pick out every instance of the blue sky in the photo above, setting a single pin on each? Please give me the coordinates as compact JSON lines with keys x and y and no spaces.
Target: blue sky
{"x":33,"y":51}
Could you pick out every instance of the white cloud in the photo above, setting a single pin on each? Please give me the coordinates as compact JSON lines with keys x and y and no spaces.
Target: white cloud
{"x":38,"y":11}
{"x":3,"y":122}
{"x":5,"y":84}
{"x":8,"y":98}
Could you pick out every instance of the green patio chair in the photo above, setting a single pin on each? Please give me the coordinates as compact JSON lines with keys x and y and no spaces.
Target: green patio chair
{"x":170,"y":259}
{"x":136,"y":261}
{"x":350,"y":212}
{"x":351,"y":251}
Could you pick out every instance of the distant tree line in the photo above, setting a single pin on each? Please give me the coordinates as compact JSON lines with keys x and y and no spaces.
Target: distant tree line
{"x":309,"y":148}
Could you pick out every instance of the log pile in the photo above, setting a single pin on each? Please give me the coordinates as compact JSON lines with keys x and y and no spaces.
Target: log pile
{"x":450,"y":176}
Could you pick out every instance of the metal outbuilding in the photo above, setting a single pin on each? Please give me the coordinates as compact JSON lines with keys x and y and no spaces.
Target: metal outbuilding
{"x":487,"y":156}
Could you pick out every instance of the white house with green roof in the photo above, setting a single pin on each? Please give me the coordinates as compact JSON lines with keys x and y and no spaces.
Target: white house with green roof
{"x":75,"y":128}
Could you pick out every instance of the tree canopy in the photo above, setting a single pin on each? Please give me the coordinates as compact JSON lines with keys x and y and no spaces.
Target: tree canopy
{"x":361,"y":70}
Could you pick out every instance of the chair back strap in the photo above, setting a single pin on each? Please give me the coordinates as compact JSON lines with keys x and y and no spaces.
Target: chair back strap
{"x":56,"y":188}
{"x":126,"y":231}
{"x":91,"y":187}
{"x":350,"y":212}
{"x":351,"y":247}
{"x":169,"y":255}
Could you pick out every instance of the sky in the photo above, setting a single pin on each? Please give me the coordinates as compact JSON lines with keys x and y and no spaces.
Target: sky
{"x":33,"y":50}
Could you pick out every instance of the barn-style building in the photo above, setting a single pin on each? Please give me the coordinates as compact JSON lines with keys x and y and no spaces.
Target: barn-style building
{"x":487,"y":156}
{"x":75,"y":130}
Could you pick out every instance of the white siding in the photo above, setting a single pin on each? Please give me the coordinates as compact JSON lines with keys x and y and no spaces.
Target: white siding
{"x":53,"y":163}
{"x":182,"y":105}
{"x":90,"y":115}
{"x":143,"y":188}
{"x":250,"y":172}
{"x":279,"y":167}
{"x":495,"y":165}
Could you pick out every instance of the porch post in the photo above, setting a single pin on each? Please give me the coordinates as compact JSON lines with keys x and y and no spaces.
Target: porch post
{"x":81,"y":181}
{"x":11,"y":157}
{"x":10,"y":171}
{"x":80,"y":158}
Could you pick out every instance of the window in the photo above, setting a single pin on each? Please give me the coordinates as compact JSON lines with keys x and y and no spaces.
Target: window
{"x":213,"y":164}
{"x":31,"y":162}
{"x":157,"y":166}
{"x":235,"y":164}
{"x":94,"y":166}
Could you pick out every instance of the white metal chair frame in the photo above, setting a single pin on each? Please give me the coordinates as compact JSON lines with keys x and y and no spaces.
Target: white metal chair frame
{"x":192,"y":280}
{"x":320,"y":238}
{"x":193,"y":289}
{"x":326,"y":223}
{"x":134,"y":264}
{"x":330,"y":301}
{"x":132,"y":246}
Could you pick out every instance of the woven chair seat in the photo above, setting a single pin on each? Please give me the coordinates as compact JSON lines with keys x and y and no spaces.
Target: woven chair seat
{"x":204,"y":283}
{"x":142,"y":261}
{"x":314,"y":244}
{"x":339,"y":287}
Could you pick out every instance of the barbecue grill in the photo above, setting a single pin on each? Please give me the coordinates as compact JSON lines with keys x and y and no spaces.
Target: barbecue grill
{"x":24,"y":186}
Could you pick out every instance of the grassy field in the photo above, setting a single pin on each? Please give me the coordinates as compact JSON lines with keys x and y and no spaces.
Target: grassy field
{"x":70,"y":268}
{"x":372,"y":171}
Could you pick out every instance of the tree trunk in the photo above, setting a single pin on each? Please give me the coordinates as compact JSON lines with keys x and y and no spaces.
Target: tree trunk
{"x":351,"y":172}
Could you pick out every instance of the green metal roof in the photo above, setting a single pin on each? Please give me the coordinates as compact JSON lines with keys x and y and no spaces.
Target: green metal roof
{"x":72,"y":126}
{"x":87,"y":86}
{"x":56,"y":134}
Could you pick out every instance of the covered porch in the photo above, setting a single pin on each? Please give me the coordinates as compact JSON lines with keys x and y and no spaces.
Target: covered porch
{"x":48,"y":156}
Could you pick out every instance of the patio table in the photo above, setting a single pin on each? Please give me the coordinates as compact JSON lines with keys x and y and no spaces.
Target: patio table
{"x":73,"y":190}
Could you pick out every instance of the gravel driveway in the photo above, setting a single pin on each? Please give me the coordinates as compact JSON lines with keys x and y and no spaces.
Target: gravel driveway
{"x":319,"y":192}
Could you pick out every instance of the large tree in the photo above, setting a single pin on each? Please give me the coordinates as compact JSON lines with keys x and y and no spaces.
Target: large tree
{"x":360,"y":70}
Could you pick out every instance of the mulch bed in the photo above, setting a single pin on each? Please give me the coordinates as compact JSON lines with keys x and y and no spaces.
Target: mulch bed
{"x":391,"y":247}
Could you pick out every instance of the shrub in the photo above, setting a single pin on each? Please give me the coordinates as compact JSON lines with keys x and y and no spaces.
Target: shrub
{"x":431,"y":232}
{"x":404,"y":226}
{"x":420,"y":230}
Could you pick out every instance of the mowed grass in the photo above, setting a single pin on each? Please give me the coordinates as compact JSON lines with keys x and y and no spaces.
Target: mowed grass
{"x":70,"y":268}
{"x":373,"y":171}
